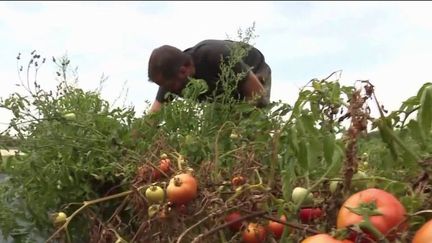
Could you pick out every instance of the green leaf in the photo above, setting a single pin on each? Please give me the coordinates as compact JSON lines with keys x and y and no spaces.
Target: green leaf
{"x":293,"y":140}
{"x":385,"y":132}
{"x":425,"y":111}
{"x":415,"y":130}
{"x":329,"y":146}
{"x":303,"y":155}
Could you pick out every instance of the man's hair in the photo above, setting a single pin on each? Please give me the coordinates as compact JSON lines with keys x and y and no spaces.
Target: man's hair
{"x":166,"y":61}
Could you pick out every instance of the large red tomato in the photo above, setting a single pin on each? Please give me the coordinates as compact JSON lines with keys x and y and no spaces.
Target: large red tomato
{"x":391,"y":210}
{"x":182,"y":188}
{"x":323,"y":238}
{"x":424,"y":234}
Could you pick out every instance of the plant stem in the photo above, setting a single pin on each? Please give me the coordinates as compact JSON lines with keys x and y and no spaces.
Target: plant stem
{"x":89,"y":203}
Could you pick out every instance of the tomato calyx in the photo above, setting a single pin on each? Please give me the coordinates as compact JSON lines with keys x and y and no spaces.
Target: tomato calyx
{"x":341,"y":234}
{"x":366,"y":226}
{"x":366,"y":209}
{"x":177,"y":181}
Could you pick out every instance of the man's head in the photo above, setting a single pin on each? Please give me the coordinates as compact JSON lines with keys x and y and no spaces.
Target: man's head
{"x":170,"y":68}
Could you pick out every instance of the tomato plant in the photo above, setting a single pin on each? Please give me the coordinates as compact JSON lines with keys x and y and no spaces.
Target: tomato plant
{"x":256,"y":161}
{"x":382,"y":209}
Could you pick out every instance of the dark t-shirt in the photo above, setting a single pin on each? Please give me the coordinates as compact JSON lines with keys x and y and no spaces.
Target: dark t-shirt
{"x":207,"y":56}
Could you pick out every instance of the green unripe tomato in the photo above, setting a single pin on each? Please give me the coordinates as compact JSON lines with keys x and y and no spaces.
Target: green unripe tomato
{"x":299,"y":193}
{"x":358,"y":181}
{"x":189,"y":139}
{"x":69,"y":116}
{"x":164,"y":156}
{"x":333,"y":186}
{"x":60,"y":218}
{"x":234,"y":135}
{"x":152,"y":210}
{"x":155,"y":194}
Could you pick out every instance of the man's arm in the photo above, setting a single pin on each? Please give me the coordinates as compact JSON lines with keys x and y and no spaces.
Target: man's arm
{"x":252,"y":89}
{"x":159,"y":100}
{"x":156,"y":106}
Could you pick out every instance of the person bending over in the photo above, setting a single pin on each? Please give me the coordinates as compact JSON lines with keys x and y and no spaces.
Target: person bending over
{"x":171,"y":69}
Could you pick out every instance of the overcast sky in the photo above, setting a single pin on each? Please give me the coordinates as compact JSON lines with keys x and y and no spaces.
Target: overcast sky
{"x":388,"y":43}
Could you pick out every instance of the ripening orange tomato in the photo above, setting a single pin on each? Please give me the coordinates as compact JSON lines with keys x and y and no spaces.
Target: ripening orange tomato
{"x":323,"y":238}
{"x":424,"y":234}
{"x":254,"y":233}
{"x":182,"y":189}
{"x":277,"y":228}
{"x":238,"y":181}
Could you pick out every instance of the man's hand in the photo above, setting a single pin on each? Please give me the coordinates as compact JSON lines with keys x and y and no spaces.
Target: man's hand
{"x":253,"y":90}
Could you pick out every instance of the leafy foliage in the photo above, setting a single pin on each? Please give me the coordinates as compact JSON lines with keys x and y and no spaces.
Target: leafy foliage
{"x":91,"y":160}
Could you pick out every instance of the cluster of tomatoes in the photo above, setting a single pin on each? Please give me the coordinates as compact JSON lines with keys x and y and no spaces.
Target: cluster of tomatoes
{"x":378,"y":216}
{"x":181,"y":189}
{"x":370,"y":215}
{"x":253,"y":232}
{"x":376,"y":213}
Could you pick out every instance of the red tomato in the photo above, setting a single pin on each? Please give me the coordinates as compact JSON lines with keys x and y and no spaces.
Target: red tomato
{"x":231,"y":217}
{"x":323,"y":238}
{"x":307,"y":215}
{"x":254,"y":233}
{"x":155,"y":174}
{"x":238,"y":181}
{"x":165,"y":165}
{"x":277,"y":228}
{"x":182,"y":188}
{"x":393,"y":212}
{"x":424,"y":234}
